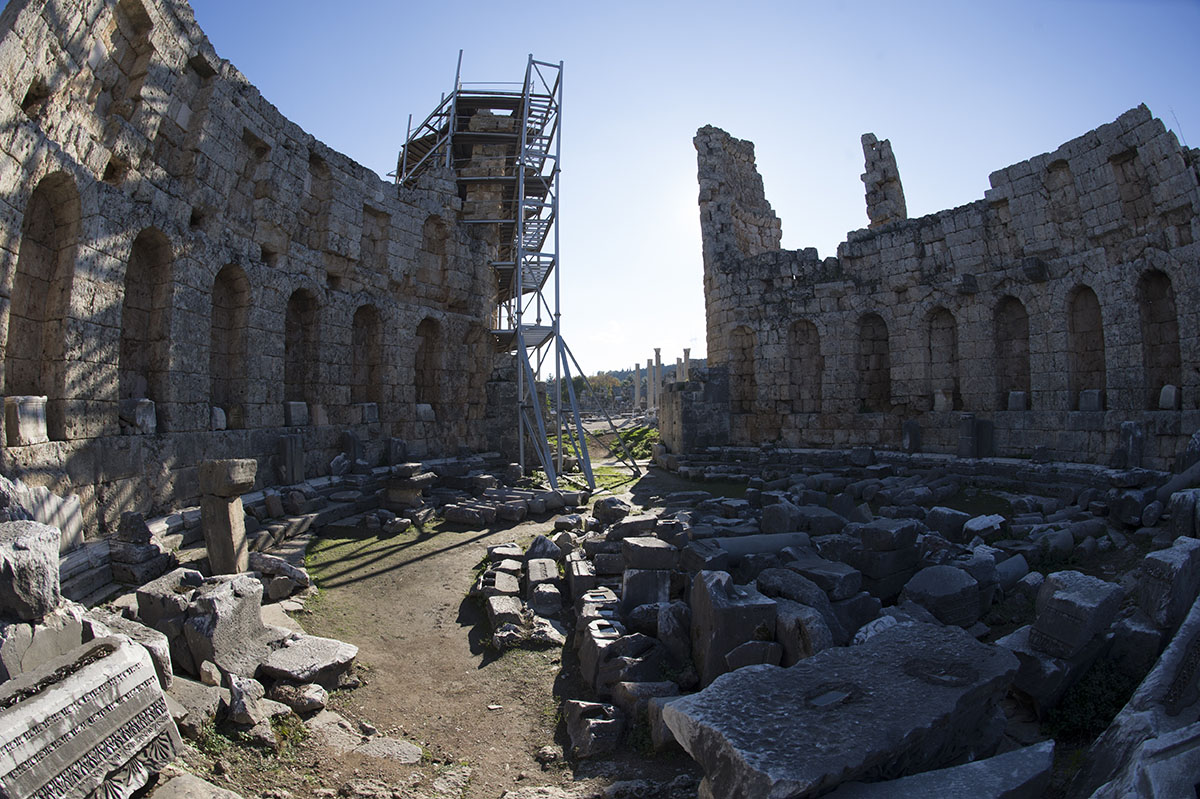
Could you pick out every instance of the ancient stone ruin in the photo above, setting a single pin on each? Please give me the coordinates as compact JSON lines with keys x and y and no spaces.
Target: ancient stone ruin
{"x":1047,"y":320}
{"x":938,"y":486}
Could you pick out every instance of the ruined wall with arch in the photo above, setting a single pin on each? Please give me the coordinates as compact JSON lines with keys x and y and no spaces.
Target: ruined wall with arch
{"x":178,"y":261}
{"x":1059,"y":308}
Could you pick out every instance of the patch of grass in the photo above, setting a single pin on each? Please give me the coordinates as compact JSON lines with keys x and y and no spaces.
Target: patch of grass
{"x":289,"y":729}
{"x":637,"y":737}
{"x":640,"y":440}
{"x":1090,"y":705}
{"x":210,"y":742}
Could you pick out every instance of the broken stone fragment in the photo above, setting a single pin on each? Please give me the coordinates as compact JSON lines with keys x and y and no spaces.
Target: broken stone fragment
{"x":594,"y":728}
{"x":306,"y":698}
{"x":1072,"y":608}
{"x":608,"y":510}
{"x":29,"y":587}
{"x":224,"y":625}
{"x":947,"y":592}
{"x":228,"y":478}
{"x":244,"y":694}
{"x":724,"y":616}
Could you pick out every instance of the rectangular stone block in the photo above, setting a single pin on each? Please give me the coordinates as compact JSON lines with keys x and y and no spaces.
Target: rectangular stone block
{"x":25,"y":420}
{"x":93,"y":722}
{"x":230,"y":477}
{"x":291,"y":458}
{"x":224,"y":524}
{"x":295,"y":414}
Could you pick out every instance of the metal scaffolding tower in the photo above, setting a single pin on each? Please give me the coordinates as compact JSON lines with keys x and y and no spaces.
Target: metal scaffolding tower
{"x":507,"y":166}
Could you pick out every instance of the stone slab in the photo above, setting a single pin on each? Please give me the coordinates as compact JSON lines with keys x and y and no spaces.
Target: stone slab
{"x":912,"y":698}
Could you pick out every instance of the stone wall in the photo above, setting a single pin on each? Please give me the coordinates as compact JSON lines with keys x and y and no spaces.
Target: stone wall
{"x":1061,"y":305}
{"x":178,"y":261}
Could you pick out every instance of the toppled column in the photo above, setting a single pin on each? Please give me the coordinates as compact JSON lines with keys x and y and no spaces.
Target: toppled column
{"x":885,"y":195}
{"x":222,"y":483}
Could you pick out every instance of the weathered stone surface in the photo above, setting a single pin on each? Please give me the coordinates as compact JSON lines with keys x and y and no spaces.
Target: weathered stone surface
{"x":649,"y":553}
{"x":308,"y":658}
{"x":104,"y":623}
{"x":1072,"y":608}
{"x":595,"y":728}
{"x":29,"y":587}
{"x":1043,"y":678}
{"x":801,"y":630}
{"x":910,"y":699}
{"x":230,"y":477}
{"x":188,"y":786}
{"x":276,"y":566}
{"x":725,"y":616}
{"x":791,"y":585}
{"x":947,"y":592}
{"x":644,"y":587}
{"x":92,"y":720}
{"x":838,"y":580}
{"x":306,"y":698}
{"x":608,"y":510}
{"x":224,"y":625}
{"x":244,"y":695}
{"x":1169,"y":581}
{"x":1021,"y":774}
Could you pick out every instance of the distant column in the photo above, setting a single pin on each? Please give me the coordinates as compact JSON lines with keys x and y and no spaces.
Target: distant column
{"x":679,"y":370}
{"x":637,"y":386}
{"x":687,"y":364}
{"x":649,"y":383}
{"x":658,"y":376}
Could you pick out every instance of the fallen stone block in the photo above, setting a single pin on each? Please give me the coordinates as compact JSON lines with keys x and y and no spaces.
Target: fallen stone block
{"x":887,"y":535}
{"x":306,"y":698}
{"x":224,"y":625}
{"x":911,"y":699}
{"x":725,"y":616}
{"x":309,"y":658}
{"x":631,"y":526}
{"x":788,"y":584}
{"x":644,"y":587}
{"x":597,"y":637}
{"x":801,"y":631}
{"x":608,"y":510}
{"x":649,"y":553}
{"x":838,"y":580}
{"x":93,"y":722}
{"x":754,"y":653}
{"x":1072,"y":608}
{"x":856,"y":611}
{"x":631,"y":658}
{"x":29,"y":586}
{"x":1169,"y":581}
{"x":634,"y":697}
{"x":1020,"y":774}
{"x":947,"y":592}
{"x":103,"y":623}
{"x":594,"y":728}
{"x":1045,"y":679}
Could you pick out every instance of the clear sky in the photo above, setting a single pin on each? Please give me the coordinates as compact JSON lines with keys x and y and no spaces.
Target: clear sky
{"x":960,"y":88}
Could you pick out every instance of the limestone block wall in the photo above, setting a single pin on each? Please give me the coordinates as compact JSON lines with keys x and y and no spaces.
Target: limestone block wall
{"x":167,"y":235}
{"x":1059,"y":306}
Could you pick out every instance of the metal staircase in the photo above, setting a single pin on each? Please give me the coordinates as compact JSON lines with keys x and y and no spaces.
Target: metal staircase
{"x":512,"y":162}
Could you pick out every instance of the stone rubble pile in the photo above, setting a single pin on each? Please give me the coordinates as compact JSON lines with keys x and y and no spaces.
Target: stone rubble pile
{"x":838,"y":579}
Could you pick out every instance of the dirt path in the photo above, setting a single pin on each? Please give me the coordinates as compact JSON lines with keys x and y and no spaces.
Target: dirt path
{"x":431,"y":679}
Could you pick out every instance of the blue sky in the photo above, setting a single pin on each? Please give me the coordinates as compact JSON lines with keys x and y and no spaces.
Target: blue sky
{"x":960,"y":88}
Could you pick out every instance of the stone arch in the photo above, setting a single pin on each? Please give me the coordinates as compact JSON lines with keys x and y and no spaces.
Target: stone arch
{"x":1011,"y":335}
{"x":366,"y":356}
{"x":1085,"y":344}
{"x":227,"y":344}
{"x":743,"y":386}
{"x":144,"y":364}
{"x":807,"y":366}
{"x":428,"y":363}
{"x":301,"y":341}
{"x":1160,"y":336}
{"x":35,"y":350}
{"x":874,"y":365}
{"x":944,"y":388}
